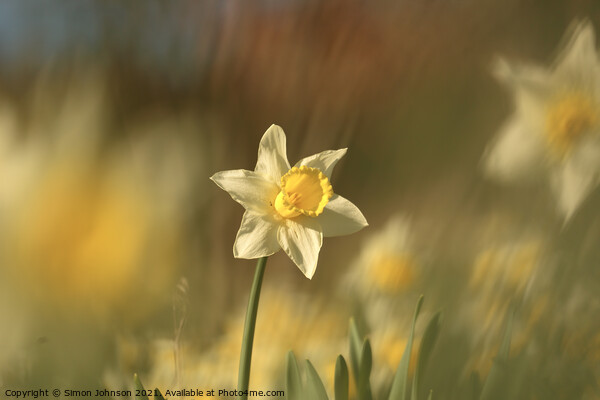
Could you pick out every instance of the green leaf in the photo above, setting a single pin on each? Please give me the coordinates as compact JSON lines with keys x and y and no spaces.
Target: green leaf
{"x":399,"y":390}
{"x":430,"y":395}
{"x":496,"y":383}
{"x":341,"y":379}
{"x":158,"y":395}
{"x":139,"y":388}
{"x":429,"y":337}
{"x":293,"y":381}
{"x":364,"y":372}
{"x":355,"y":349}
{"x":315,"y":389}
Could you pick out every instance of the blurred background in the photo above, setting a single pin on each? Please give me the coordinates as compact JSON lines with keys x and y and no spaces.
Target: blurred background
{"x":115,"y":248}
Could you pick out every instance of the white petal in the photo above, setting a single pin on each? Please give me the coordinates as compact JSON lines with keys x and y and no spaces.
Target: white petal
{"x":532,"y":87}
{"x":257,"y":236}
{"x":324,"y":161}
{"x":587,"y":153}
{"x":272,"y":157}
{"x":578,"y":177}
{"x":518,"y":152}
{"x":341,"y":217}
{"x":248,"y":188}
{"x":302,"y":242}
{"x":516,"y":75}
{"x":572,"y":186}
{"x":578,"y":62}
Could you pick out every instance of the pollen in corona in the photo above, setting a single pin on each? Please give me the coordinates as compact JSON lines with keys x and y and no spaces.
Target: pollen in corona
{"x":304,"y":191}
{"x":567,"y":121}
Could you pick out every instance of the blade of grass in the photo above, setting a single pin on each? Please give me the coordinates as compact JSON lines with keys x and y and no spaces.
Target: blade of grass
{"x":429,"y":337}
{"x":399,"y":389}
{"x":139,"y":388}
{"x":355,"y":349}
{"x":364,"y":373}
{"x":314,"y":386}
{"x":293,"y":381}
{"x":158,"y":395}
{"x":341,"y":380}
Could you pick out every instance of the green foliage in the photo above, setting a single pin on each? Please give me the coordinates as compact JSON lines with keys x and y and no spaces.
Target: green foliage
{"x":140,"y":393}
{"x":361,"y":362}
{"x":341,"y":381}
{"x":429,"y":338}
{"x":293,"y":381}
{"x":158,"y":395}
{"x":399,"y":389}
{"x":295,"y":388}
{"x":355,"y":348}
{"x":314,"y":386}
{"x":364,"y":372}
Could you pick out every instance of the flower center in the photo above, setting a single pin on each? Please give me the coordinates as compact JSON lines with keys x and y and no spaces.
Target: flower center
{"x":568,"y":119}
{"x":304,"y":191}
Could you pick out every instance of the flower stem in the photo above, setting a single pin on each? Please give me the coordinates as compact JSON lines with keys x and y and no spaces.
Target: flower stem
{"x":249,"y":325}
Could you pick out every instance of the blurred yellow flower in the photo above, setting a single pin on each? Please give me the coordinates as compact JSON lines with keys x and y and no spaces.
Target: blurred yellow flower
{"x":79,"y":234}
{"x":505,"y":277}
{"x":506,"y":267}
{"x":392,"y":273}
{"x":313,"y":328}
{"x":390,"y":330}
{"x":85,"y":225}
{"x":555,"y":128}
{"x":387,"y":264}
{"x":289,"y":208}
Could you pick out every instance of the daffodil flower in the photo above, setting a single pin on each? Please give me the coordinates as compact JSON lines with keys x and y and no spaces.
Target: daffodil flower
{"x":289,"y":208}
{"x":555,"y":129}
{"x":387,"y":264}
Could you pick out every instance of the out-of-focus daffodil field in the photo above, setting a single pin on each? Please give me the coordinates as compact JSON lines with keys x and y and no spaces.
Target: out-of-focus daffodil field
{"x":473,"y":136}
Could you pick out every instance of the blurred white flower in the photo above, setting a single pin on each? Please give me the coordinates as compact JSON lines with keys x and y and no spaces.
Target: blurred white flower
{"x":288,"y":208}
{"x":555,"y":129}
{"x":507,"y":268}
{"x":505,"y":274}
{"x":387,"y":264}
{"x":389,"y":327}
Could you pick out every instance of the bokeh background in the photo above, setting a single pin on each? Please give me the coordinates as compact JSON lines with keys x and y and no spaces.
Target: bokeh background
{"x":115,"y":248}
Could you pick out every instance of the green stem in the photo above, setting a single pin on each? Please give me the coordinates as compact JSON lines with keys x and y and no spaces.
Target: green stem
{"x":249,"y":325}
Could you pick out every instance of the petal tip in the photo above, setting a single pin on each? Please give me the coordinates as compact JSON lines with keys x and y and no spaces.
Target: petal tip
{"x":216,"y":177}
{"x":310,"y":272}
{"x":274,"y":129}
